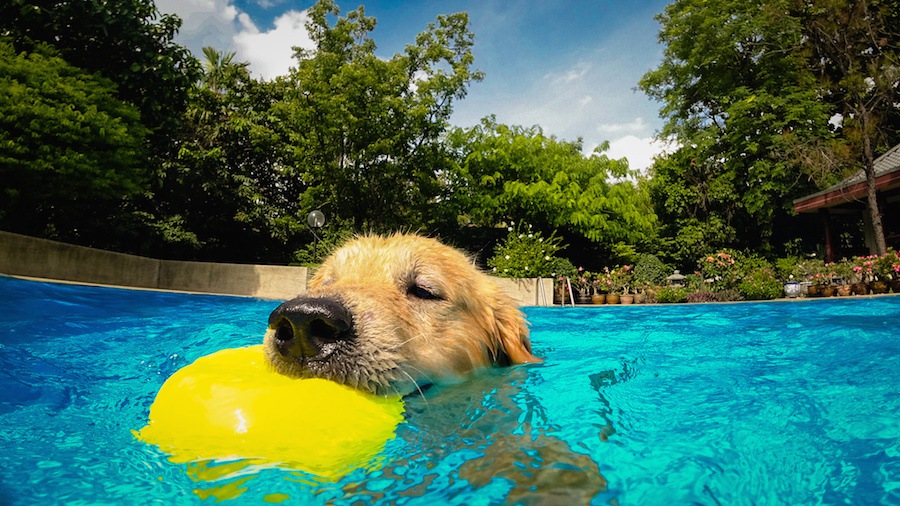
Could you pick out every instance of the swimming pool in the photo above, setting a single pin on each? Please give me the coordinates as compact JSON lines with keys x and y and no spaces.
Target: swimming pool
{"x":775,"y":403}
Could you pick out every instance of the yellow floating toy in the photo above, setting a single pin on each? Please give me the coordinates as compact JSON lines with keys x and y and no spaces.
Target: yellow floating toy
{"x":231,"y":405}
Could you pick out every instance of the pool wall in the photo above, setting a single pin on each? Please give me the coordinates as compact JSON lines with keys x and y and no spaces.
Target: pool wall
{"x":22,"y":255}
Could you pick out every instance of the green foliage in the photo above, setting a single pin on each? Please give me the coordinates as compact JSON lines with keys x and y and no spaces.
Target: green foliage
{"x":314,"y":252}
{"x":722,"y":268}
{"x":501,"y":172}
{"x":232,"y":159}
{"x":670,"y":294}
{"x":561,"y":267}
{"x":649,"y":270}
{"x":526,"y":254}
{"x":127,"y":41}
{"x":67,"y":144}
{"x":746,"y":111}
{"x":761,"y":283}
{"x":785,"y":268}
{"x":364,"y":130}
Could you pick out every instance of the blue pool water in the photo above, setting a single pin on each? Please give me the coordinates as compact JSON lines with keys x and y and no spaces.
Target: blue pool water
{"x":777,"y":403}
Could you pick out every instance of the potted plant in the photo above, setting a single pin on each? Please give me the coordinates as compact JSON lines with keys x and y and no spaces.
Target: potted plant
{"x":864,"y":268}
{"x":843,"y":277}
{"x":886,"y":269}
{"x":561,"y":269}
{"x":600,"y":284}
{"x":581,"y":285}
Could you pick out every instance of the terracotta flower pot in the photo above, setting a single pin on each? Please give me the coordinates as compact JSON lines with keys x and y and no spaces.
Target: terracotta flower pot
{"x":878,"y":286}
{"x":844,"y":290}
{"x":814,"y":290}
{"x":640,"y":298}
{"x":612,"y":298}
{"x":626,"y":299}
{"x":828,"y":291}
{"x":895,"y":285}
{"x":859,"y":289}
{"x":598,"y":298}
{"x":583,"y":296}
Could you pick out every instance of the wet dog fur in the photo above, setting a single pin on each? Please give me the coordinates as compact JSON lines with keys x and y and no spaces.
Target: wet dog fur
{"x":392,"y":314}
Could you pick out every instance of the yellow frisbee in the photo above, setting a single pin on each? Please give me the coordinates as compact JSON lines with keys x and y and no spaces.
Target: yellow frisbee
{"x":232,"y":405}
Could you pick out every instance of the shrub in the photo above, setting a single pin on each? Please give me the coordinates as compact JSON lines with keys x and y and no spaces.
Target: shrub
{"x":787,"y":267}
{"x":525,"y":255}
{"x":701,"y":297}
{"x":649,"y":270}
{"x":723,"y":268}
{"x":561,"y":267}
{"x":761,"y":284}
{"x":314,"y":252}
{"x":730,"y":295}
{"x":671,"y":294}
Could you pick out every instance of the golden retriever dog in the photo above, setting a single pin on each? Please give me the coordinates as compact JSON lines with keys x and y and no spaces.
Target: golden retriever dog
{"x":392,"y":314}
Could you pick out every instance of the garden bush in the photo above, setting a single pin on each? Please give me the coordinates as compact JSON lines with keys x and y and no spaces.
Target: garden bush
{"x":649,"y":270}
{"x":701,"y":297}
{"x":525,"y":254}
{"x":722,"y":269}
{"x":667,"y":294}
{"x":761,"y":284}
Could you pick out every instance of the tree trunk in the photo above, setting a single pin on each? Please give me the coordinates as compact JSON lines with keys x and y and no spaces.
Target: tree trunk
{"x":871,"y":194}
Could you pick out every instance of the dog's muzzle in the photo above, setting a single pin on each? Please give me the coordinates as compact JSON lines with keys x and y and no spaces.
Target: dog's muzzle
{"x":309,"y":328}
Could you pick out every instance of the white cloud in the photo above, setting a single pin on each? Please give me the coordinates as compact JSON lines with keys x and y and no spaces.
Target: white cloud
{"x":571,"y":75}
{"x":271,"y":53}
{"x":218,"y":23}
{"x":204,"y":23}
{"x":639,"y":151}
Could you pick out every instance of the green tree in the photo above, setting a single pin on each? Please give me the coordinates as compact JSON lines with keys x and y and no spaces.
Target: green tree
{"x":854,"y":47}
{"x":126,"y":41}
{"x":226,"y":194}
{"x":502,"y":173}
{"x":69,"y":149}
{"x":741,"y":103}
{"x":365,"y":131}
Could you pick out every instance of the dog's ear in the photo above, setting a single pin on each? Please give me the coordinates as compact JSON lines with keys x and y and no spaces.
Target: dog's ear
{"x":512,"y":334}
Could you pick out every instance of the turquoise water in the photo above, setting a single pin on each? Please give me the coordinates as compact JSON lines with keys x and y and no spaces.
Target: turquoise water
{"x":779,"y":403}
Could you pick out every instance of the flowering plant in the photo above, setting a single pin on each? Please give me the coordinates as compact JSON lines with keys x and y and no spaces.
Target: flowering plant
{"x":864,"y":267}
{"x":601,"y":281}
{"x":525,"y":254}
{"x":887,"y":266}
{"x":620,"y":279}
{"x":722,"y":269}
{"x":581,"y":280}
{"x":825,"y":275}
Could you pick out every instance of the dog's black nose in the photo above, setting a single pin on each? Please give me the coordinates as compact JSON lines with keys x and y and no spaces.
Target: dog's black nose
{"x":306,"y":326}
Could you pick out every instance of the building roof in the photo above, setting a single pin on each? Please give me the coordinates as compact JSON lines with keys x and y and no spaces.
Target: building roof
{"x":887,"y":176}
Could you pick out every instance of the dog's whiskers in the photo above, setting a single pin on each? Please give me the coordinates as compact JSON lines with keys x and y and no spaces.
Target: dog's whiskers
{"x":416,"y":384}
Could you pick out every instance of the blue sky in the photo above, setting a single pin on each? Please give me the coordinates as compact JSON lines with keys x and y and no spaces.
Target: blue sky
{"x":569,"y":66}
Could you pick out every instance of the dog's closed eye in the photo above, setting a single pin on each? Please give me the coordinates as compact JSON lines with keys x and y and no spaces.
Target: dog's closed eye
{"x":420,"y":291}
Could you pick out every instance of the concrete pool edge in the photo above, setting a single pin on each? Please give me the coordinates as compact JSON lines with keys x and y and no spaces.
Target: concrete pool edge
{"x":47,"y":260}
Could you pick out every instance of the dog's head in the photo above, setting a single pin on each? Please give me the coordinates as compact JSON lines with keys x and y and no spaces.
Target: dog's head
{"x":389,"y":314}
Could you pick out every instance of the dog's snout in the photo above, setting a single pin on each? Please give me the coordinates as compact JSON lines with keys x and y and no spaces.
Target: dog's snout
{"x":306,"y":325}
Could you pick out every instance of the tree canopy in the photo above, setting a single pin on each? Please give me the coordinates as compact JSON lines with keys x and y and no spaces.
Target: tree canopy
{"x":366,"y":132}
{"x":506,"y":173}
{"x":68,"y":145}
{"x":753,"y":120}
